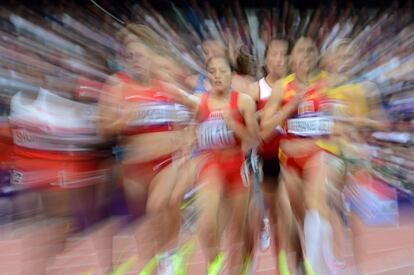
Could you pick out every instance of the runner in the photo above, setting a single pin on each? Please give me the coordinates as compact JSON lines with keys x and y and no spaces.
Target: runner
{"x":226,"y":111}
{"x":151,"y":129}
{"x":227,"y":121}
{"x":305,"y":150}
{"x":357,"y":103}
{"x":276,"y":68}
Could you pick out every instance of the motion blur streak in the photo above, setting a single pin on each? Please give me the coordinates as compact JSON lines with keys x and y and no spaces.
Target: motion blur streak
{"x":101,"y":167}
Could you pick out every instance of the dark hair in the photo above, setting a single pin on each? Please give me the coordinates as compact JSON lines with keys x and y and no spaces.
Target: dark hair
{"x":226,"y":60}
{"x":245,"y":62}
{"x":279,"y":39}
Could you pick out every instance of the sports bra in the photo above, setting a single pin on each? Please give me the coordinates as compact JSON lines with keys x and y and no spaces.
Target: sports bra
{"x":155,"y":110}
{"x":213,"y":132}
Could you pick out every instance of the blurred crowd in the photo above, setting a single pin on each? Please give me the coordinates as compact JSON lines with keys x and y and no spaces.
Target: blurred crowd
{"x":73,"y":74}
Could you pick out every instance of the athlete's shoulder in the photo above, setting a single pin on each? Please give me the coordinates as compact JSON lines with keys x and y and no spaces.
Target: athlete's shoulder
{"x":252,"y":90}
{"x":245,"y":98}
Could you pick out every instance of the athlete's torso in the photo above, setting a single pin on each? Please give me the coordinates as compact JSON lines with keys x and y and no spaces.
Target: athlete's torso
{"x":310,"y":126}
{"x":309,"y":119}
{"x":213,"y":132}
{"x":156,"y":127}
{"x":155,"y":111}
{"x":270,"y":148}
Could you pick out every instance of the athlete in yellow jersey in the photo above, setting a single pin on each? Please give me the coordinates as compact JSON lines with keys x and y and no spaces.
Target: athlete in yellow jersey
{"x":357,"y":104}
{"x":307,"y":149}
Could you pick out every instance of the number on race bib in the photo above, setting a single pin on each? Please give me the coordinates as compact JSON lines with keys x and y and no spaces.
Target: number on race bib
{"x":215,"y":134}
{"x":153,"y":114}
{"x":16,"y":177}
{"x":313,"y":126}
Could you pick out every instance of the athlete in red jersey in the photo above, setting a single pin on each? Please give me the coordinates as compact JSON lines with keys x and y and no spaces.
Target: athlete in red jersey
{"x":303,"y":153}
{"x":150,"y":126}
{"x":226,"y":122}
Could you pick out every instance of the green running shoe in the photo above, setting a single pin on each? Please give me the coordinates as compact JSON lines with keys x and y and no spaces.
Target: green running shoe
{"x":180,"y":258}
{"x":283,"y":263}
{"x":248,"y":265}
{"x":150,"y":267}
{"x":125,"y":267}
{"x":216,"y":265}
{"x":308,"y":268}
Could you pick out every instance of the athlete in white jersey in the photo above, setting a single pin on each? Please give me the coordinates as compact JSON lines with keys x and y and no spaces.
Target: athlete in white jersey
{"x":276,"y":55}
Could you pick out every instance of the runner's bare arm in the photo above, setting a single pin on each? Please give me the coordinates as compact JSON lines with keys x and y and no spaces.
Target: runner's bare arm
{"x":247,"y":108}
{"x":183,"y":97}
{"x":274,"y":114}
{"x":249,"y":115}
{"x":113,"y":113}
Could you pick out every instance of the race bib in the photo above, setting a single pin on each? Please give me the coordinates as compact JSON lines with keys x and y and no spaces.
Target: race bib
{"x":310,"y":126}
{"x":68,"y":179}
{"x":155,"y":114}
{"x":215,"y":134}
{"x":183,"y":114}
{"x":16,"y":177}
{"x":60,"y":143}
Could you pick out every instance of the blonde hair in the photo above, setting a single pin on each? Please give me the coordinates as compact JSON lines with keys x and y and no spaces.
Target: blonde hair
{"x":334,"y":47}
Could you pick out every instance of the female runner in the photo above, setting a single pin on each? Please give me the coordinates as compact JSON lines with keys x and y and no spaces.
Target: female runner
{"x":150,"y":126}
{"x":226,"y":121}
{"x":276,"y":56}
{"x":306,"y":151}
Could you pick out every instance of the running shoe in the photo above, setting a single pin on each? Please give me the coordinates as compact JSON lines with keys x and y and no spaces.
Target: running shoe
{"x":180,"y":259}
{"x":283,"y":263}
{"x":216,"y":265}
{"x":165,"y":265}
{"x":309,"y":268}
{"x":249,"y":265}
{"x":151,"y":266}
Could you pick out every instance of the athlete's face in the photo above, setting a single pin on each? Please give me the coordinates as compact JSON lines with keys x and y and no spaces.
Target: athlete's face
{"x":305,"y":55}
{"x":137,"y":57}
{"x":219,"y":75}
{"x":276,"y":58}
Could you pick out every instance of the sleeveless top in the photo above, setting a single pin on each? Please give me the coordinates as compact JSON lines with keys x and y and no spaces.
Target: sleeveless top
{"x":213,"y":132}
{"x":308,"y":120}
{"x":155,"y":110}
{"x":270,"y":148}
